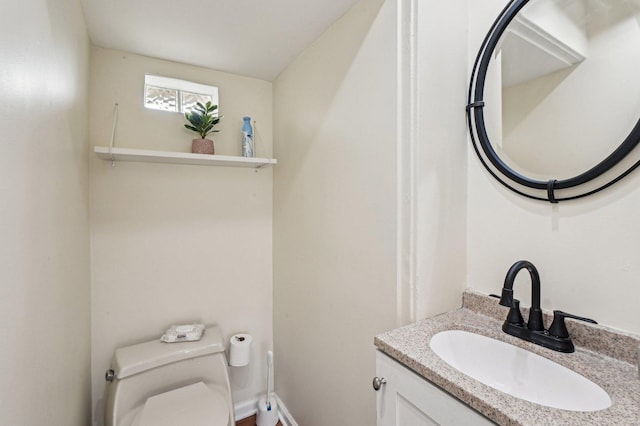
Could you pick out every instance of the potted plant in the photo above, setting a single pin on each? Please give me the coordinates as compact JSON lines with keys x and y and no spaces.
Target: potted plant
{"x":201,"y":120}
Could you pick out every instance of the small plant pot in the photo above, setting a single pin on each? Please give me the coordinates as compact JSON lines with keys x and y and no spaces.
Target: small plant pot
{"x":202,"y":146}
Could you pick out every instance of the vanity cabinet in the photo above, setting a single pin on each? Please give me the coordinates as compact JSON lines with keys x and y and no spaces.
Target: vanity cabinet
{"x":407,"y":399}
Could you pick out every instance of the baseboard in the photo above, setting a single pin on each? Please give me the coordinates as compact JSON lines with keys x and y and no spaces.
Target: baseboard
{"x":245,"y":409}
{"x":249,"y":408}
{"x":285,"y":416}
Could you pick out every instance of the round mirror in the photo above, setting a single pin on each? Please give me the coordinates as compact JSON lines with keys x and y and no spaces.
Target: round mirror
{"x":554,"y":99}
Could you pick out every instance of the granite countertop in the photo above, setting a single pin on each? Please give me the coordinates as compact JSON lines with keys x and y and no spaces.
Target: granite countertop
{"x":603,"y":355}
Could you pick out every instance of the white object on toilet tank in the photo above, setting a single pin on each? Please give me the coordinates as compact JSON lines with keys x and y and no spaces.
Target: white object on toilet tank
{"x":183,"y":333}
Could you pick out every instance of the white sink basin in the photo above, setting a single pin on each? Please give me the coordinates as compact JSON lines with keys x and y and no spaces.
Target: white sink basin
{"x":518,"y":372}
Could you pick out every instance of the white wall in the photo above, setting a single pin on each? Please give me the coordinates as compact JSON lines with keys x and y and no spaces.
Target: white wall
{"x":586,"y":250}
{"x":369,"y":198}
{"x":44,"y":220}
{"x":335,"y":217}
{"x":176,"y":243}
{"x":440,"y":155}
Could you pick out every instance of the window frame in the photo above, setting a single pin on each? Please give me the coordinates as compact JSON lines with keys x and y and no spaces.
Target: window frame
{"x":180,"y":86}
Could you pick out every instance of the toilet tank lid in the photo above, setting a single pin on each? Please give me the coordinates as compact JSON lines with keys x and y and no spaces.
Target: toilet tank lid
{"x":135,"y":359}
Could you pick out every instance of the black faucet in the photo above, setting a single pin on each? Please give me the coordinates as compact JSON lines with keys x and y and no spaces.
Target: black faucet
{"x":557,"y":337}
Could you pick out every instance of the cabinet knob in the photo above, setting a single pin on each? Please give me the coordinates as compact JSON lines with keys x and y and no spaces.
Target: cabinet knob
{"x":378,"y":382}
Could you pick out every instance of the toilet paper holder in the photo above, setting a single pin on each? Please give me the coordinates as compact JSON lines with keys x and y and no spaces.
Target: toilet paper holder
{"x":240,"y":350}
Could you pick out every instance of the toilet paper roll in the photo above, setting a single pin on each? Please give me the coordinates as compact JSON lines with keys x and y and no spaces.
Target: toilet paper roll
{"x":239,"y":350}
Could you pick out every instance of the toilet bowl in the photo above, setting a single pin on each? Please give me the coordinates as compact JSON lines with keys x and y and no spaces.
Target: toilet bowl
{"x":165,"y":384}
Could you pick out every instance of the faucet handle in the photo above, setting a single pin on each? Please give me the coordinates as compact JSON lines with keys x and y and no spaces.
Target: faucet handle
{"x":558,"y":327}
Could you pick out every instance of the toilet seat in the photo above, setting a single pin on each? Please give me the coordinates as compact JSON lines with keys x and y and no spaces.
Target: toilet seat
{"x":193,"y":405}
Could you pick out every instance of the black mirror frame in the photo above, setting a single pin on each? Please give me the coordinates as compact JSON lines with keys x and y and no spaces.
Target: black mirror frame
{"x":486,"y":153}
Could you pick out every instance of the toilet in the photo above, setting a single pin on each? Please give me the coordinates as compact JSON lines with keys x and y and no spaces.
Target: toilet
{"x":168,"y":384}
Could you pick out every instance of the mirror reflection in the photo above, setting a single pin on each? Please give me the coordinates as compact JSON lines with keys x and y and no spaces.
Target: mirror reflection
{"x":562,"y":89}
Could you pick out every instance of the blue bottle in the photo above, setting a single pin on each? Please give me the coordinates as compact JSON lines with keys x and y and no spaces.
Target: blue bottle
{"x":247,"y":137}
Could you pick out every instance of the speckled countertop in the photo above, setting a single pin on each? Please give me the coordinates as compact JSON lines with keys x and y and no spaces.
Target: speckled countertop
{"x":605,"y":356}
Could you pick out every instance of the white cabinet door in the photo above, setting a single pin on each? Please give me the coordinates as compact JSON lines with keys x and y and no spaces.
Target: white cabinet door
{"x":409,"y":400}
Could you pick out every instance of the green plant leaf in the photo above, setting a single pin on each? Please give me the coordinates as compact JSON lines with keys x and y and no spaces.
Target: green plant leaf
{"x":202,"y":118}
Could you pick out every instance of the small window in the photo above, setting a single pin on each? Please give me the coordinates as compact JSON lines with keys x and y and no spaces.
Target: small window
{"x":172,"y":94}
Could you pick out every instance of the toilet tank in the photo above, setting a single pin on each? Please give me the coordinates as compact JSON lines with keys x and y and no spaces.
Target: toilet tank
{"x":150,"y":368}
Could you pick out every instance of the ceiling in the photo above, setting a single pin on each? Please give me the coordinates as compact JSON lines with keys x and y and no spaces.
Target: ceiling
{"x":256,"y":38}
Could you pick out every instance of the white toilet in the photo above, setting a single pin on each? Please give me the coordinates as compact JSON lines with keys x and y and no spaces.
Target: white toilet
{"x":170,"y":384}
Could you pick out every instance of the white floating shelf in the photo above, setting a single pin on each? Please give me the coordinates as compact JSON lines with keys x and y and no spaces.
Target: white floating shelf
{"x":148,"y":156}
